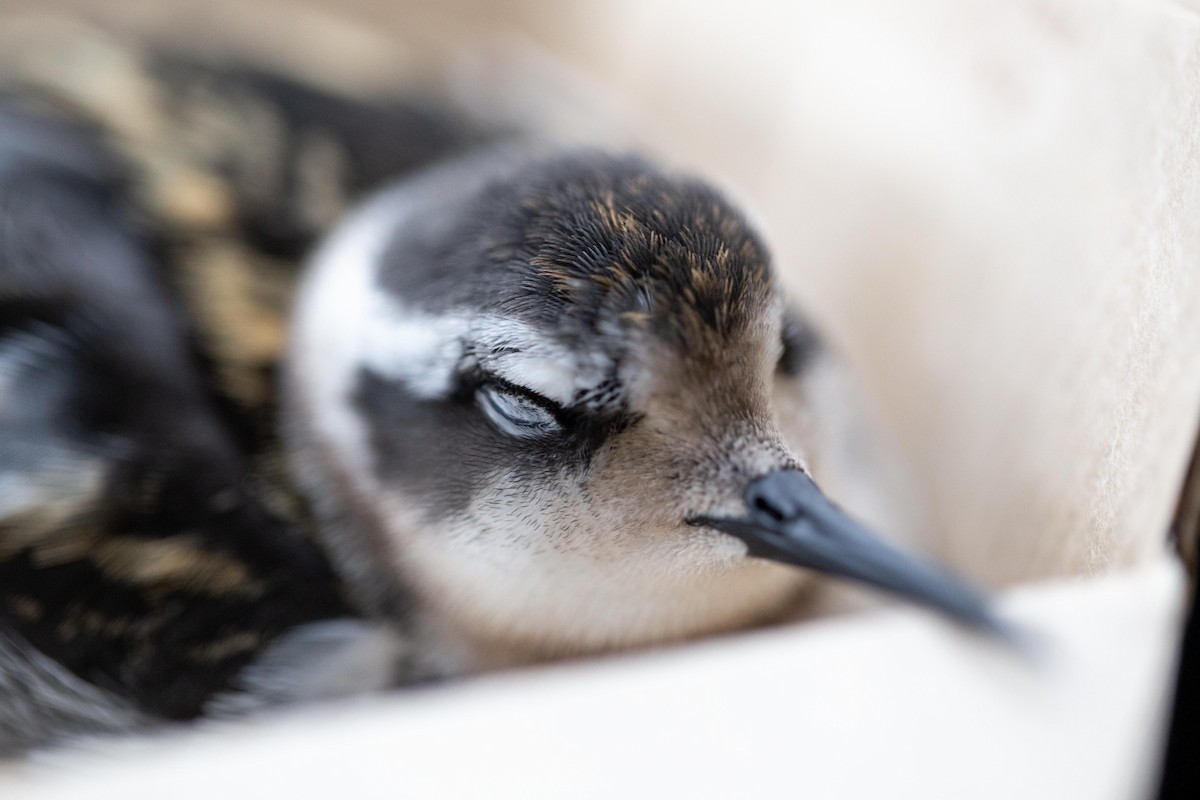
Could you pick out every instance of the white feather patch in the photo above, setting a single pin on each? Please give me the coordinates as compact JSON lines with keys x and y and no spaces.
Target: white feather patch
{"x":524,"y":356}
{"x":344,"y":322}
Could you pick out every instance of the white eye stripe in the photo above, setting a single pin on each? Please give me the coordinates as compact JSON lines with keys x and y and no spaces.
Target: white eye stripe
{"x":514,"y":414}
{"x":526,"y":356}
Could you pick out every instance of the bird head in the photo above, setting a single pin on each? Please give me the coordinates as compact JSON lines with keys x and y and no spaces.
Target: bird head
{"x":533,"y":398}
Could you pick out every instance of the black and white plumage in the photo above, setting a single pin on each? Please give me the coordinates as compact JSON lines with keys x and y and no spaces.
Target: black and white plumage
{"x":150,"y":547}
{"x":530,"y":408}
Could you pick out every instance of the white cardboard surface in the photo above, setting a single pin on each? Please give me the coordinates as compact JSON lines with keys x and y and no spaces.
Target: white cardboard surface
{"x":896,"y":704}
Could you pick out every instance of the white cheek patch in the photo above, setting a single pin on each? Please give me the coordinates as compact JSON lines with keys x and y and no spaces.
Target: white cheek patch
{"x":509,"y":570}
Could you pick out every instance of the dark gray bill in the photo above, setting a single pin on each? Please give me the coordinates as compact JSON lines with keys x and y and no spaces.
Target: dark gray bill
{"x":791,"y":521}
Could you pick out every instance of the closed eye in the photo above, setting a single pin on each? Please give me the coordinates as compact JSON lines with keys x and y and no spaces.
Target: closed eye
{"x":517,"y":412}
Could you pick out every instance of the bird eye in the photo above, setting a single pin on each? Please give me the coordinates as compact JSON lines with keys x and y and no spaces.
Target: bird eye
{"x":517,"y":413}
{"x":800,"y":344}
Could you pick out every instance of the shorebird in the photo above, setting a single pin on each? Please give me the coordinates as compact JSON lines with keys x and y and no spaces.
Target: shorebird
{"x":535,"y":404}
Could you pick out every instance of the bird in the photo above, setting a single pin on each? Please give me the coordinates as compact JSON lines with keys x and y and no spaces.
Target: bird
{"x":370,"y":395}
{"x":551,"y":419}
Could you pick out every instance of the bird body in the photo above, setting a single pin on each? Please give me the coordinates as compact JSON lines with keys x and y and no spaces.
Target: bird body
{"x":530,"y":403}
{"x":152,"y":550}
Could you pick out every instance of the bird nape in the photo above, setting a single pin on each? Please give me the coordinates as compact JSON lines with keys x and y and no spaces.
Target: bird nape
{"x":526,"y":404}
